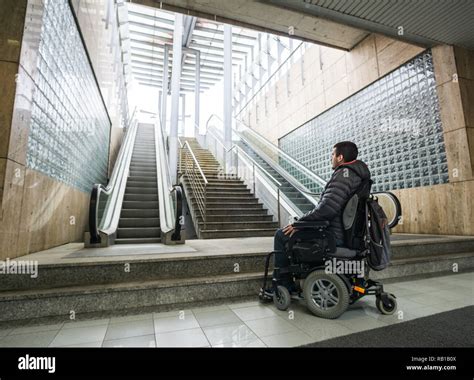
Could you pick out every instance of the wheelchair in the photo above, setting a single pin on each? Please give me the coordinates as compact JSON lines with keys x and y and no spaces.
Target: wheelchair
{"x":327,"y":292}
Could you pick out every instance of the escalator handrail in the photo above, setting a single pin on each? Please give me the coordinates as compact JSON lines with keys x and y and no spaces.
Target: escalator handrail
{"x":293,"y":181}
{"x":285,"y":155}
{"x":170,"y":217}
{"x":120,"y":171}
{"x":287,"y":203}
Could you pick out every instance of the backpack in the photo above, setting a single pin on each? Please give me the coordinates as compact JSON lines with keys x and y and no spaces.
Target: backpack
{"x":366,"y":227}
{"x":378,"y":235}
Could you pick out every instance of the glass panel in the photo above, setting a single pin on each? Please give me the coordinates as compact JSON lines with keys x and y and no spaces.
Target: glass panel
{"x":69,"y":132}
{"x":396,"y":124}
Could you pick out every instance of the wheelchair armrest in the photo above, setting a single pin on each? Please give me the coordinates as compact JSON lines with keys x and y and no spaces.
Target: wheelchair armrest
{"x":311,"y":224}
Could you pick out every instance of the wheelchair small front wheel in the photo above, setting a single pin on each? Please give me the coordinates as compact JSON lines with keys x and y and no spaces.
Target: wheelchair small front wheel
{"x":389,"y":306}
{"x":326,"y":294}
{"x":281,"y":298}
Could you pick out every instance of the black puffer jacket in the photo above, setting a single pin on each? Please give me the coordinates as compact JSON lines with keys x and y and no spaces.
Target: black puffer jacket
{"x":340,"y":188}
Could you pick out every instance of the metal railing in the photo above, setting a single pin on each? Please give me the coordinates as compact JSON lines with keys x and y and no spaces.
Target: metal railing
{"x":264,"y":186}
{"x":196,"y":177}
{"x":106,"y":201}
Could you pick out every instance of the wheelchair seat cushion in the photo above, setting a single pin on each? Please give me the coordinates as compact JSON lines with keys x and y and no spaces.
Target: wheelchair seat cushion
{"x":344,"y":253}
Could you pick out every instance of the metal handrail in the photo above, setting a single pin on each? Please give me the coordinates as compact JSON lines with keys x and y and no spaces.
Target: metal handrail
{"x":110,"y":218}
{"x":193,"y":173}
{"x":248,"y":157}
{"x":271,"y":183}
{"x":293,"y":181}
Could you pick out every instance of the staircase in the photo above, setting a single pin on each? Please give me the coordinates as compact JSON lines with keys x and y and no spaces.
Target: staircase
{"x":231,"y":209}
{"x":286,"y":188}
{"x":139,"y":219}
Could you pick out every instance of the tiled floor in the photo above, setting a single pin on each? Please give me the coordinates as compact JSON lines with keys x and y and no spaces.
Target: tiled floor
{"x":247,"y":324}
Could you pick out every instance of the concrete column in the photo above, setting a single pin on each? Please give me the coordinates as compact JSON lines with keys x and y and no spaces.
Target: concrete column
{"x":197,"y":94}
{"x":228,"y":91}
{"x":164,"y":90}
{"x":175,"y":89}
{"x":183,"y":115}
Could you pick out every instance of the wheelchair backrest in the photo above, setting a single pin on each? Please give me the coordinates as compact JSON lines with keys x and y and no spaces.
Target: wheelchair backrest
{"x":353,"y":216}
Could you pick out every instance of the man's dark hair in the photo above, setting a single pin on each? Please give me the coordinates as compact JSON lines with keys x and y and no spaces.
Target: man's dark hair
{"x":348,"y":150}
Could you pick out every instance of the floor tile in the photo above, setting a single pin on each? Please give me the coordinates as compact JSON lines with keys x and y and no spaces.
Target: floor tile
{"x":228,"y":333}
{"x":85,"y":345}
{"x":209,"y":308}
{"x":130,"y":329}
{"x":174,"y":313}
{"x":136,"y":341}
{"x":244,"y":304}
{"x":289,"y":339}
{"x":362,"y":324}
{"x":183,"y":338}
{"x":35,"y":329}
{"x":270,"y":326}
{"x":244,"y":343}
{"x":254,"y":312}
{"x":69,"y":336}
{"x":175,"y":323}
{"x":86,"y":323}
{"x":38,"y":339}
{"x":131,"y":318}
{"x":217,"y":317}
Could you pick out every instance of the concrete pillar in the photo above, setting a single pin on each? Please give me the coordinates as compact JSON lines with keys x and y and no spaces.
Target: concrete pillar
{"x":227,"y":91}
{"x":197,"y":94}
{"x":164,"y":89}
{"x":175,"y":89}
{"x":183,"y":115}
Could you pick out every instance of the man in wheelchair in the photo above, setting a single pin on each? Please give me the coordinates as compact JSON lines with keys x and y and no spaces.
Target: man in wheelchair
{"x":303,"y":249}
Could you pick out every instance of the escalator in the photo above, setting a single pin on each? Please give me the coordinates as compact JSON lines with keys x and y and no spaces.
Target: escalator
{"x":291,"y":191}
{"x":139,"y":204}
{"x":140,"y":217}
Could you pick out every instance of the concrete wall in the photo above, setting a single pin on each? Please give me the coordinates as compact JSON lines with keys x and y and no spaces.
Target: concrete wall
{"x":331,"y":76}
{"x":38,"y":212}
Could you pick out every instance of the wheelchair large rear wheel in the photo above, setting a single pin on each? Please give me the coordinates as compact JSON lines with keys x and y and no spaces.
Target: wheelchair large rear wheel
{"x":326,"y":294}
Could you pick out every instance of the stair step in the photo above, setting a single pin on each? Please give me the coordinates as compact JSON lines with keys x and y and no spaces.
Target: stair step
{"x":134,"y":205}
{"x":141,"y":232}
{"x":237,"y":218}
{"x":142,"y":184}
{"x":141,"y":190}
{"x":131,"y":295}
{"x":226,"y":199}
{"x":234,"y":205}
{"x":139,"y":222}
{"x":238,"y":233}
{"x":241,"y":225}
{"x":140,"y":213}
{"x":154,"y":240}
{"x":149,"y":178}
{"x":141,"y":197}
{"x":236,"y":211}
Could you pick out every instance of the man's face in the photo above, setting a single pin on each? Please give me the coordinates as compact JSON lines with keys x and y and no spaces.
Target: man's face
{"x":336,"y":160}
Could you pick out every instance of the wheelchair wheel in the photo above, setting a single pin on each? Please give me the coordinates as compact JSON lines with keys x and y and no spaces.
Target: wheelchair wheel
{"x":281,"y":298}
{"x":326,"y":294}
{"x":387,"y":308}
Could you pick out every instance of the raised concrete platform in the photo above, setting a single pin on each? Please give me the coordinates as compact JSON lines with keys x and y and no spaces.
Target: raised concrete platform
{"x":140,"y":276}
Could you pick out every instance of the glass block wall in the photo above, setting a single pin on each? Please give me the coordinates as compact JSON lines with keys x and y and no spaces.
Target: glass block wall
{"x":69,"y":132}
{"x":396,"y":124}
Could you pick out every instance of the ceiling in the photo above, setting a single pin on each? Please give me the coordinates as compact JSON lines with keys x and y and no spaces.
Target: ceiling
{"x":145,"y":31}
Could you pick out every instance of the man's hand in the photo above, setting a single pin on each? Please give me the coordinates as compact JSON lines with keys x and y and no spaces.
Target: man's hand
{"x":289,"y":230}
